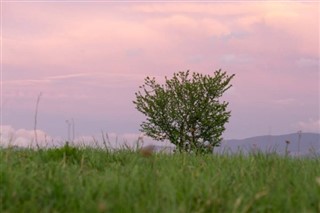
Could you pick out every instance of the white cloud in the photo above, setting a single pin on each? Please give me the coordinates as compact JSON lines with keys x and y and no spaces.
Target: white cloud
{"x":311,"y":125}
{"x":23,"y":137}
{"x":26,"y":138}
{"x":116,"y":141}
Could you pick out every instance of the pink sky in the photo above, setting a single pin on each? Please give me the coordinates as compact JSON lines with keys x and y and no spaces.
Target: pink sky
{"x":88,"y":60}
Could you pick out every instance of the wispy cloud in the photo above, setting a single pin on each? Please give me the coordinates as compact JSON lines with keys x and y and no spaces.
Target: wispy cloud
{"x":308,"y":62}
{"x":285,"y":101}
{"x":75,"y":75}
{"x":236,"y":59}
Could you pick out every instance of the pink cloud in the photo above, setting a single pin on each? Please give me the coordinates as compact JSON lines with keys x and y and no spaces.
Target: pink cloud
{"x":90,"y":58}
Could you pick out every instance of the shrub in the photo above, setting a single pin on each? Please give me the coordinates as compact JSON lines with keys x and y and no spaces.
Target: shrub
{"x":185,"y":110}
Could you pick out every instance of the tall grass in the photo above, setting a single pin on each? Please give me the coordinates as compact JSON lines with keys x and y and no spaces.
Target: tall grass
{"x":72,"y":179}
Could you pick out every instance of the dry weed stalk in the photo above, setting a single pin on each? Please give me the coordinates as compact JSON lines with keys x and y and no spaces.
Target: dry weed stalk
{"x":35,"y":121}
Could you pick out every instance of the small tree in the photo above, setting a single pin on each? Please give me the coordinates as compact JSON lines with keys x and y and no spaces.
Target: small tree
{"x":186,"y":111}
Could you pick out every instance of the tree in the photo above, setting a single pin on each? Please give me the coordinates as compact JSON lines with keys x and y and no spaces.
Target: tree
{"x":186,"y":111}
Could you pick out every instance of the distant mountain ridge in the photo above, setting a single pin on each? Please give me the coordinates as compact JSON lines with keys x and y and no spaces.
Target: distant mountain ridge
{"x":295,"y":144}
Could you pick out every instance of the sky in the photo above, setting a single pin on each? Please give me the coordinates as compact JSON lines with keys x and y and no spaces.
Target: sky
{"x":88,"y":59}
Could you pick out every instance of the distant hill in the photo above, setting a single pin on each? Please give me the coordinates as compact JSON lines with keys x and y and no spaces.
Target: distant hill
{"x":309,"y":143}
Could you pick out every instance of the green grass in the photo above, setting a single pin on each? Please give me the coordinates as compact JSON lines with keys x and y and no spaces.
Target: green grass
{"x":94,"y":180}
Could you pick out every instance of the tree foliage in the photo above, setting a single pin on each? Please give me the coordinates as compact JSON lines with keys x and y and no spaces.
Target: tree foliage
{"x":185,"y":110}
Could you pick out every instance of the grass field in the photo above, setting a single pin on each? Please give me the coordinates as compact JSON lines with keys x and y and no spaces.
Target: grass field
{"x":95,"y":180}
